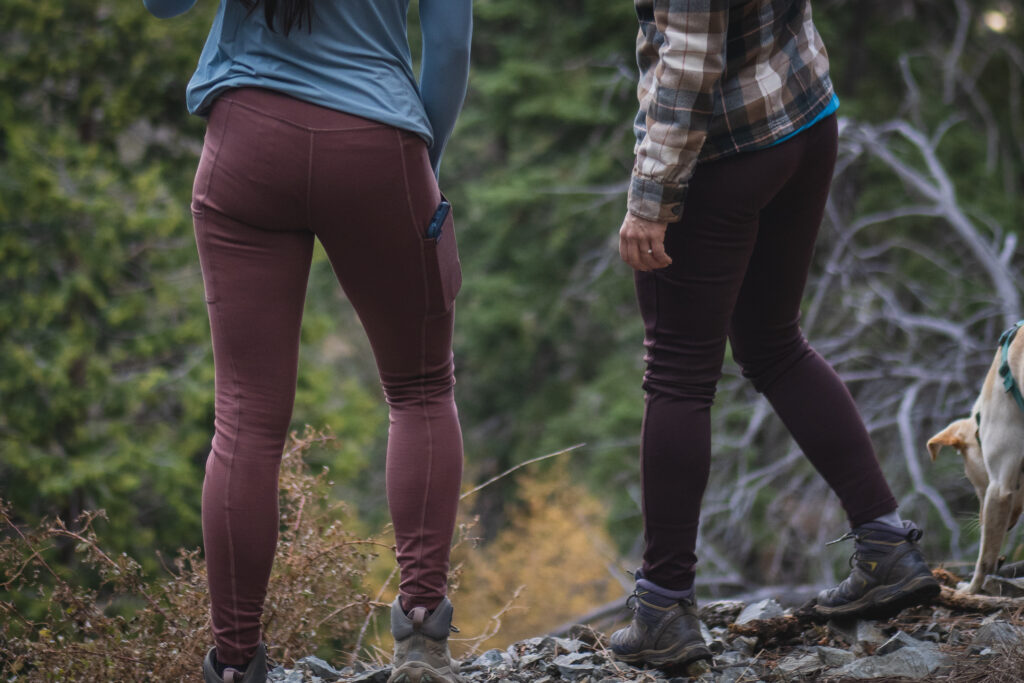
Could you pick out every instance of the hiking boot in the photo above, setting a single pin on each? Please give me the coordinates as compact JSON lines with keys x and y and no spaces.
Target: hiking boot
{"x":255,"y":671}
{"x":889,"y":573}
{"x":665,"y":631}
{"x":421,"y":645}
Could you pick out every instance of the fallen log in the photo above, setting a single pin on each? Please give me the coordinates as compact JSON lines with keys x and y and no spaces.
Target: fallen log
{"x":965,"y":602}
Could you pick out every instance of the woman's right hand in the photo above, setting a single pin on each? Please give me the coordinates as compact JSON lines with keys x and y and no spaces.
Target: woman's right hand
{"x":642,"y":243}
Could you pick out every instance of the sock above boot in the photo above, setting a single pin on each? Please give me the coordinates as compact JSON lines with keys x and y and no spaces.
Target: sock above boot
{"x":652,"y":593}
{"x":892,"y":519}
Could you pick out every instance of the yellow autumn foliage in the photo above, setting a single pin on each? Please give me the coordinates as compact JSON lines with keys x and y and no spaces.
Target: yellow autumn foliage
{"x":554,"y":562}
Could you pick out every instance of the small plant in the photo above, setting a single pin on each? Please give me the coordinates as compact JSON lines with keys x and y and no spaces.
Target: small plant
{"x":106,"y":620}
{"x":552,"y":563}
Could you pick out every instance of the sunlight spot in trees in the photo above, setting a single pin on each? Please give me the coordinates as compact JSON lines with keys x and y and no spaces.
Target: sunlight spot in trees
{"x":996,"y":21}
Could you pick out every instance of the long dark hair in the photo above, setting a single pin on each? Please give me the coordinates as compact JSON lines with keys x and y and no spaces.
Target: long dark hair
{"x":290,"y":13}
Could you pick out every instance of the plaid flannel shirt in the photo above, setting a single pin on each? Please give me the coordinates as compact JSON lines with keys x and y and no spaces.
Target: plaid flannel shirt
{"x":718,"y":77}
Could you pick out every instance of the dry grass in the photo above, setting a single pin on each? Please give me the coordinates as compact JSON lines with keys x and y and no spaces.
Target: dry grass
{"x":122,"y":625}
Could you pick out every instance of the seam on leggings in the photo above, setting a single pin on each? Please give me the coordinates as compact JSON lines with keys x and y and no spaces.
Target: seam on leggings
{"x":413,"y":224}
{"x":423,"y":354}
{"x":227,"y":498}
{"x":213,"y":163}
{"x":430,"y":440}
{"x":309,"y":183}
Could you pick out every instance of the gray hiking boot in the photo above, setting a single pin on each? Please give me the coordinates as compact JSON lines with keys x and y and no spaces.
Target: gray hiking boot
{"x":421,"y":645}
{"x":255,"y":671}
{"x":665,"y":631}
{"x":888,"y":574}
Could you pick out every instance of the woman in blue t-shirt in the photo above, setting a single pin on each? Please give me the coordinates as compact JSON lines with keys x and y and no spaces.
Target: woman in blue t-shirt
{"x":318,"y":129}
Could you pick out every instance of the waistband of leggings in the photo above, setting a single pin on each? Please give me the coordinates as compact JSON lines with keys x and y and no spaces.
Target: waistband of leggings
{"x":297,"y":112}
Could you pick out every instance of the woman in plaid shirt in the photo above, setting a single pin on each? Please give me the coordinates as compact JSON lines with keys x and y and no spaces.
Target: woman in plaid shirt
{"x":736,"y":142}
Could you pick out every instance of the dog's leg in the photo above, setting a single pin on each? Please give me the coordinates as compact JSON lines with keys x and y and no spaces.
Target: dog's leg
{"x":995,"y":515}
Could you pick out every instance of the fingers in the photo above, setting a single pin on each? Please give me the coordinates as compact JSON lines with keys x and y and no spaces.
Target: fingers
{"x":629,"y":250}
{"x":658,"y":254}
{"x":642,"y":244}
{"x":647,"y":259}
{"x":624,"y":247}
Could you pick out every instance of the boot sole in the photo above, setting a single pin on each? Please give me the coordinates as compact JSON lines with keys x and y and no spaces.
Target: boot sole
{"x":886,"y":601}
{"x":671,"y":656}
{"x":417,"y":672}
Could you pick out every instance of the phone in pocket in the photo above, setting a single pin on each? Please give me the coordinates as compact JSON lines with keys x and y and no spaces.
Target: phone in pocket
{"x":437,"y":222}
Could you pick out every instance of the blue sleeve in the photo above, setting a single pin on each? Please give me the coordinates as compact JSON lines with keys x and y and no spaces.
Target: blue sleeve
{"x":164,"y":9}
{"x":447,"y":27}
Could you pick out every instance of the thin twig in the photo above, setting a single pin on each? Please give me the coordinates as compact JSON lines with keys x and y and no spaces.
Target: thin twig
{"x":336,"y":613}
{"x":494,"y":625}
{"x":369,"y":615}
{"x":519,"y":466}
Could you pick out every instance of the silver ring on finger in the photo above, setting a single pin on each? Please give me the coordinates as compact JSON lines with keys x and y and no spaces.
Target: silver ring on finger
{"x":650,"y":251}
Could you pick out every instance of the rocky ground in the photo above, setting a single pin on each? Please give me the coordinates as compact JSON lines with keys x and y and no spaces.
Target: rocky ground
{"x":950,"y":640}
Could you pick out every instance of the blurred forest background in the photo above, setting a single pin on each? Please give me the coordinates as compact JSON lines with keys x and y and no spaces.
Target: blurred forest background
{"x":106,"y":375}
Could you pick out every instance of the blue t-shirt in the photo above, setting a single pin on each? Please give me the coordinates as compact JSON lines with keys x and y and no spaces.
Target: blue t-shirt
{"x":833,"y":105}
{"x":354,"y":57}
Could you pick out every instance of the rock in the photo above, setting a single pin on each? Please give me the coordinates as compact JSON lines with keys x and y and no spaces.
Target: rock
{"x":318,"y":667}
{"x":353,"y":669}
{"x":857,"y":633}
{"x":368,"y":676}
{"x":908,"y":662}
{"x":1013,"y":570}
{"x":491,"y":659}
{"x":721,"y":612}
{"x":698,"y":668}
{"x":994,"y":617}
{"x":567,"y":645}
{"x":736,"y":674}
{"x":901,"y":640}
{"x":731,"y":658}
{"x":999,"y":635}
{"x":281,"y":675}
{"x":745,"y":645}
{"x":574,"y":665}
{"x":766,"y":609}
{"x":552,"y":645}
{"x":833,"y":657}
{"x":527,"y":660}
{"x":1003,"y":587}
{"x":932,"y":633}
{"x":714,"y":644}
{"x":583,"y":633}
{"x":798,"y":665}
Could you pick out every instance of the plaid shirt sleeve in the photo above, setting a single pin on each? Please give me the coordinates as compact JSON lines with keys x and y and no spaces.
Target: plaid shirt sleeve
{"x":681,"y":55}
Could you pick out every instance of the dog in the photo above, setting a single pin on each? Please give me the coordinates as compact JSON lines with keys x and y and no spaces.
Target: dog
{"x":991,"y":441}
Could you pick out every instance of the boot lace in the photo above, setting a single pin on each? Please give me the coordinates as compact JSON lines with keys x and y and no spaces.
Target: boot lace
{"x":845,"y":537}
{"x":632,"y":600}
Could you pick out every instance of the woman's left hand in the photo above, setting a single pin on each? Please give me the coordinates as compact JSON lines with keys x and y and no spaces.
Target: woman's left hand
{"x":642,"y":243}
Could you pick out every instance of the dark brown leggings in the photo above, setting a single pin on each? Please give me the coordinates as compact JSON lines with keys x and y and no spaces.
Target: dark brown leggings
{"x":275,"y":174}
{"x":740,"y":255}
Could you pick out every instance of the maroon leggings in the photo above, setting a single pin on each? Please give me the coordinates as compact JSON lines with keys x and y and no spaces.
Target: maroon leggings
{"x":275,"y":174}
{"x":740,"y":257}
